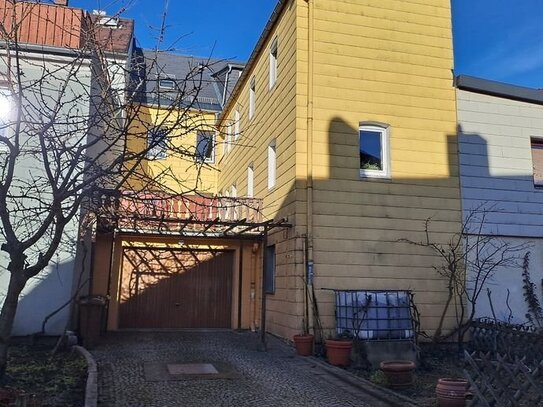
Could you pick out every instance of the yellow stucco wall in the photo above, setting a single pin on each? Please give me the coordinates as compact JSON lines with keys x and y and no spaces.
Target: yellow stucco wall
{"x":385,"y":61}
{"x":179,"y":171}
{"x":275,"y":118}
{"x":340,"y":63}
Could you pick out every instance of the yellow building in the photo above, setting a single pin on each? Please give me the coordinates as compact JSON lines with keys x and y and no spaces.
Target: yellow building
{"x":343,"y":124}
{"x":347,"y":130}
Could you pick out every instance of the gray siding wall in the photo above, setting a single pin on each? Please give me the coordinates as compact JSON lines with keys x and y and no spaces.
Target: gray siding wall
{"x":496,"y":161}
{"x":496,"y":171}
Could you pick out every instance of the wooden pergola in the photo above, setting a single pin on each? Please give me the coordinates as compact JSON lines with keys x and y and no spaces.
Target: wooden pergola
{"x":193,"y":217}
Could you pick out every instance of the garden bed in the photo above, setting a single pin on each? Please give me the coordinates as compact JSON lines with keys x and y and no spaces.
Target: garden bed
{"x":436,"y":362}
{"x":57,"y":380}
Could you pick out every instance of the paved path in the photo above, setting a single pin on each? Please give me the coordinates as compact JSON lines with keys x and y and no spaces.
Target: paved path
{"x":274,"y":378}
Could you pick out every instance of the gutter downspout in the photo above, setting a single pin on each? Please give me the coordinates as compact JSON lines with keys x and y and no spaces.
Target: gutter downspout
{"x":263,"y":344}
{"x":309,"y":190}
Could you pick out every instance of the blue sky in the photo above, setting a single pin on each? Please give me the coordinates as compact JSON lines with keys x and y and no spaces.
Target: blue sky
{"x":494,"y":39}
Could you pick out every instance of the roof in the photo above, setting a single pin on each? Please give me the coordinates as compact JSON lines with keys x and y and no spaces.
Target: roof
{"x":499,"y":89}
{"x":53,"y":25}
{"x":43,"y":24}
{"x":195,"y":79}
{"x":113,"y":34}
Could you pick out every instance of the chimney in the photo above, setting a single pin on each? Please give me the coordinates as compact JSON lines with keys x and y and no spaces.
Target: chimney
{"x":61,"y":3}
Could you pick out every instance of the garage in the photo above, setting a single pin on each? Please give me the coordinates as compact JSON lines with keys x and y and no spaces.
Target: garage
{"x":173,"y":288}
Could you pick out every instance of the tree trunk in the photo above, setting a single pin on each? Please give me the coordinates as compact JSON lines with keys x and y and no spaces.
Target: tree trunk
{"x":7,"y":316}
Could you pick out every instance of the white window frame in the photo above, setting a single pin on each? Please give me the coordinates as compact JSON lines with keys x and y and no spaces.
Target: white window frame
{"x":535,"y":143}
{"x":252,"y":98}
{"x":272,"y":164}
{"x":237,"y":127}
{"x":166,"y":78}
{"x":383,"y":130}
{"x":229,"y":137}
{"x":211,"y":159}
{"x":273,"y":63}
{"x":250,"y":181}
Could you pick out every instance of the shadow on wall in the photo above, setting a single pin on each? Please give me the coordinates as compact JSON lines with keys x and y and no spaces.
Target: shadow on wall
{"x":166,"y":288}
{"x":358,"y":223}
{"x":43,"y":295}
{"x":514,"y":211}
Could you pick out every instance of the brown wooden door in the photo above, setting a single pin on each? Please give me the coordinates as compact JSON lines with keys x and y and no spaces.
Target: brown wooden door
{"x":165,"y":288}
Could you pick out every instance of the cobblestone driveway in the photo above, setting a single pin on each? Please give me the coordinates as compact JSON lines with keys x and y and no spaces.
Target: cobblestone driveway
{"x":273,"y":378}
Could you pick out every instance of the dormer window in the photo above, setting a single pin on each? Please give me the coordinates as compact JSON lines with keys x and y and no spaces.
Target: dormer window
{"x":167,"y":83}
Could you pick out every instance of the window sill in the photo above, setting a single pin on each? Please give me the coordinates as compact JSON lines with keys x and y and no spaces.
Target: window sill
{"x":375,"y":174}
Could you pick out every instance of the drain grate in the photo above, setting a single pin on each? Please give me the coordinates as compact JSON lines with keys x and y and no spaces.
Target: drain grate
{"x":191,"y":368}
{"x":209,"y":370}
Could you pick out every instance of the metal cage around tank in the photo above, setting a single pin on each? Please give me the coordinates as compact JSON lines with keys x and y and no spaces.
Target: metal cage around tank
{"x":377,"y":315}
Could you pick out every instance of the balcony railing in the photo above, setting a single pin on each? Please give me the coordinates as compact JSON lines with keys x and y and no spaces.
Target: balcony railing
{"x":189,"y":207}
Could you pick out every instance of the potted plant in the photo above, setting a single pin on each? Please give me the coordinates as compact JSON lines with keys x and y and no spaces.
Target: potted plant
{"x":452,"y":392}
{"x":338,"y":349}
{"x":304,"y":344}
{"x":399,"y":373}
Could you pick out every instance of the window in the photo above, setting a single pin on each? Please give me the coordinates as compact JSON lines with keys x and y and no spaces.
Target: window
{"x":157,"y":144}
{"x":233,"y":191}
{"x":237,"y":118}
{"x":250,"y":181}
{"x":229,"y":138}
{"x":269,"y":273}
{"x":537,"y":161}
{"x":205,"y":147}
{"x":273,"y":63}
{"x":374,"y":156}
{"x":167,"y":83}
{"x":272,"y":164}
{"x":252,"y":98}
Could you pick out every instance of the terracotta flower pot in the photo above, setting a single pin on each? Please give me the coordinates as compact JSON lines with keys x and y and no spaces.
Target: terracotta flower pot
{"x":304,"y":344}
{"x":452,"y":392}
{"x":399,"y":373}
{"x":8,"y":395}
{"x":338,"y":351}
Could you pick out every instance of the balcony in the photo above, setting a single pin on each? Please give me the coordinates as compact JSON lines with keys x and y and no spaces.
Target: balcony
{"x":191,"y":215}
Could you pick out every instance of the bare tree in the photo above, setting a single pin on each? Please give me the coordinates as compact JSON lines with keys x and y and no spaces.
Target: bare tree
{"x":72,"y":136}
{"x":469,"y":261}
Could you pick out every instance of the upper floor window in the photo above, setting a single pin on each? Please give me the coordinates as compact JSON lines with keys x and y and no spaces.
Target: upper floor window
{"x":229,"y":137}
{"x":205,"y":146}
{"x":157,"y":144}
{"x":250,"y":181}
{"x":272,"y":164}
{"x":237,"y":127}
{"x":273,"y":63}
{"x":537,"y":161}
{"x":167,"y":82}
{"x":374,"y":150}
{"x":252,"y":98}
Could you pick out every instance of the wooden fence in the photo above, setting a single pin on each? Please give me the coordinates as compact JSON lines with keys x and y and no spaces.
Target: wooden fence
{"x":505,"y":365}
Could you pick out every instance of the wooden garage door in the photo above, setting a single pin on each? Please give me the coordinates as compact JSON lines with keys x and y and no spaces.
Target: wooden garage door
{"x":165,"y":288}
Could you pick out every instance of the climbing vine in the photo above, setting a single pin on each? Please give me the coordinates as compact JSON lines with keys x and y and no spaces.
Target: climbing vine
{"x":535,"y":311}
